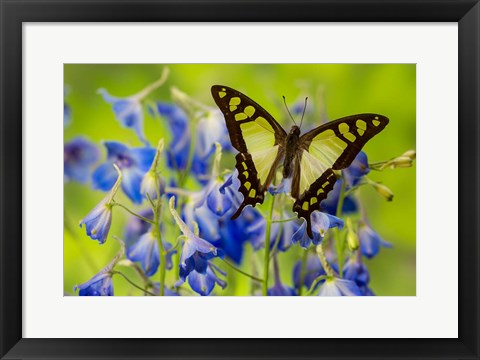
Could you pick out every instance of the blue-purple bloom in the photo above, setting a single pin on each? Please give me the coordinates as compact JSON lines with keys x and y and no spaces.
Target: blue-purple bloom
{"x":313,"y":269}
{"x":321,"y":222}
{"x":128,"y":112}
{"x":134,"y":163}
{"x":146,"y":251}
{"x":98,"y":221}
{"x":334,"y":286}
{"x":357,"y":169}
{"x":101,"y":284}
{"x":204,"y":283}
{"x":196,"y":251}
{"x":79,"y":155}
{"x":370,"y":241}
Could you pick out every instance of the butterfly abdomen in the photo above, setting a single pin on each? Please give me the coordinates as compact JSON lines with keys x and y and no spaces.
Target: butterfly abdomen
{"x":291,"y":145}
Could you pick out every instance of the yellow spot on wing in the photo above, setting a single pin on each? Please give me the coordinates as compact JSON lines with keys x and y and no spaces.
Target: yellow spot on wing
{"x":252,"y":193}
{"x":249,"y":110}
{"x":234,"y":101}
{"x":244,"y":164}
{"x":248,"y":185}
{"x":325,"y":184}
{"x":245,"y":173}
{"x":313,"y":200}
{"x":233,"y":107}
{"x":222,"y":94}
{"x":320,"y":191}
{"x":343,"y":128}
{"x":361,"y":124}
{"x":240,"y":116}
{"x":325,"y":135}
{"x":376,"y":122}
{"x":350,"y":136}
{"x":305,"y":205}
{"x":360,"y":132}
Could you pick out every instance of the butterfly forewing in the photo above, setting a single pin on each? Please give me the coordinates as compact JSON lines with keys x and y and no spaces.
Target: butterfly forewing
{"x":258,"y":138}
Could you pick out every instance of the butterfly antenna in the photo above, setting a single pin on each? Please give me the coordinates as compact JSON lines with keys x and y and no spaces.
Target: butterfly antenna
{"x":304,"y":108}
{"x":286,"y":107}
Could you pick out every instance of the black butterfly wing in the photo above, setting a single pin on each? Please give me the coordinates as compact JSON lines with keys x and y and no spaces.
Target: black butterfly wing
{"x":332,"y":146}
{"x":257,"y":136}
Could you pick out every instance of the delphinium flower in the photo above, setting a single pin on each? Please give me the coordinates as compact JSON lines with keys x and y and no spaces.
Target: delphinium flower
{"x":134,"y":163}
{"x":357,"y":170}
{"x":279,"y":289}
{"x":204,"y":283}
{"x":330,"y":204}
{"x":321,"y":222}
{"x":334,"y":286}
{"x":79,"y":155}
{"x":313,"y":269}
{"x":196,"y":251}
{"x":356,"y":271}
{"x":101,"y":284}
{"x":128,"y":110}
{"x":136,"y":227}
{"x":98,"y":221}
{"x":370,"y":241}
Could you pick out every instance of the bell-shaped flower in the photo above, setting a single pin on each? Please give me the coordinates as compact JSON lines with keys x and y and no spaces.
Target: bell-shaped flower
{"x":321,"y":222}
{"x":357,"y":169}
{"x":334,"y":286}
{"x":134,"y":163}
{"x":128,"y":110}
{"x":313,"y":269}
{"x":146,"y":251}
{"x":98,"y":221}
{"x":204,"y":283}
{"x":79,"y":155}
{"x":196,"y":251}
{"x":370,"y":241}
{"x":212,"y":129}
{"x":330,"y":204}
{"x":101,"y":284}
{"x":355,"y":270}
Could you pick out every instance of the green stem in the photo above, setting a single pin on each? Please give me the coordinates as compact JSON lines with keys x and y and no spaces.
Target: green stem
{"x":242,"y":272}
{"x":266,"y":264}
{"x":132,"y":283}
{"x":339,"y":243}
{"x":302,"y":272}
{"x":315,"y":283}
{"x":133,"y":213}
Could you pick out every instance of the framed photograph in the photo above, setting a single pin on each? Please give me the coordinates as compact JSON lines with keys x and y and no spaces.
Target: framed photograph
{"x":301,"y":181}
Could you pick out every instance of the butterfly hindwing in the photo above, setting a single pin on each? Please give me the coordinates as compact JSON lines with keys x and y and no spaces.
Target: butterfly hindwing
{"x":258,"y":138}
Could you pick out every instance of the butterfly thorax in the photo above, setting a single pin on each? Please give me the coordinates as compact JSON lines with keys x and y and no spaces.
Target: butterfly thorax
{"x":291,"y":145}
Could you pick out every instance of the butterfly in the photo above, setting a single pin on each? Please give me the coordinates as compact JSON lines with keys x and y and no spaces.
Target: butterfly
{"x":309,"y":159}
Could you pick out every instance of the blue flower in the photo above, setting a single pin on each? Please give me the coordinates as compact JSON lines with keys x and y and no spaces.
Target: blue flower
{"x":357,"y":169}
{"x":79,"y":155}
{"x":321,"y":222}
{"x":146,"y":251}
{"x":134,"y":163}
{"x":196,"y":251}
{"x":313,"y":269}
{"x":370,"y":241}
{"x":203,"y":283}
{"x":212,"y":129}
{"x":101,"y":284}
{"x":136,"y":227}
{"x":98,"y":221}
{"x":128,"y":112}
{"x":334,"y":286}
{"x":330,"y":204}
{"x":217,"y":202}
{"x":355,"y":270}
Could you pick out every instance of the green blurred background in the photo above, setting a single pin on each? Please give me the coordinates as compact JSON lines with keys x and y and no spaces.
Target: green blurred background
{"x":334,"y":91}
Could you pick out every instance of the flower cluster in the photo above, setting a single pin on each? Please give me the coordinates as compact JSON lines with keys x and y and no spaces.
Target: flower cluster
{"x":180,"y":197}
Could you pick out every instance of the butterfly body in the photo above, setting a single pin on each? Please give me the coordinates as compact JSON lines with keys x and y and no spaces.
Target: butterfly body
{"x":309,"y":159}
{"x":291,"y":145}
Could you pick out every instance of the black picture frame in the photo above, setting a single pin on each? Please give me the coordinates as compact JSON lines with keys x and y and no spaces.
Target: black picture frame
{"x":15,"y":12}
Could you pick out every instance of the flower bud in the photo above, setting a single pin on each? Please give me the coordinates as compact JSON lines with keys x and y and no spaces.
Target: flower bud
{"x":352,"y":237}
{"x":383,"y":190}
